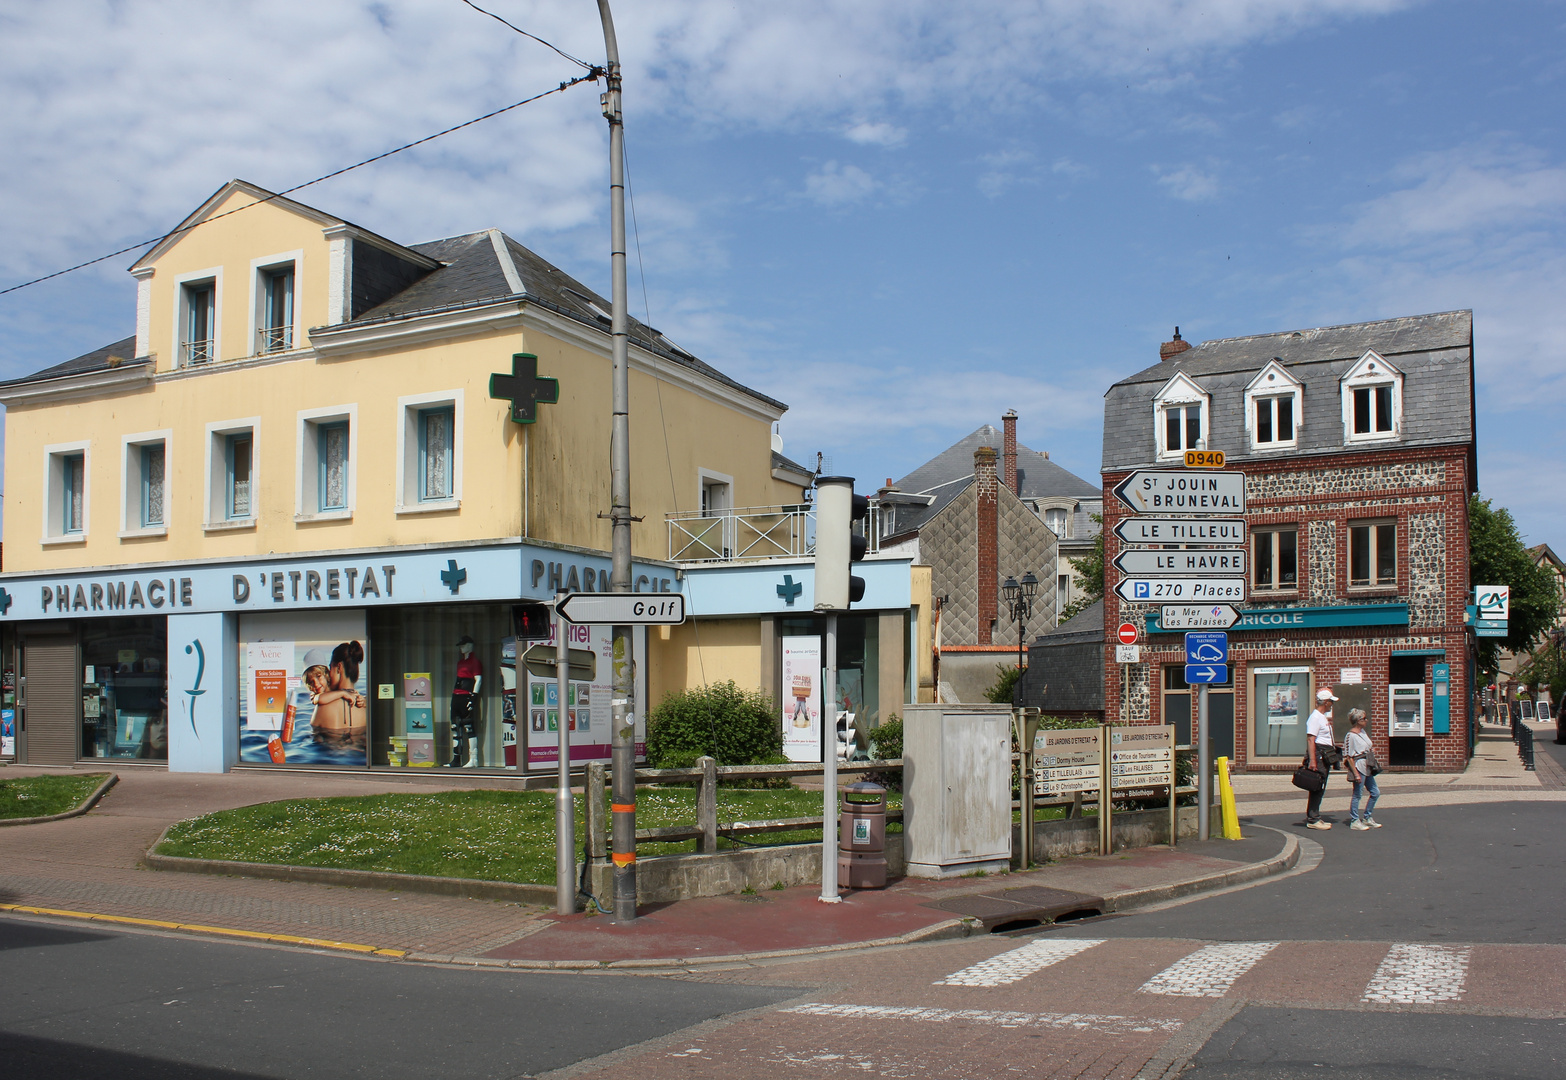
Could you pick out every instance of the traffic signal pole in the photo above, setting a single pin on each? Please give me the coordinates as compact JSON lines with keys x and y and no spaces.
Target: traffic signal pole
{"x":565,"y":810}
{"x":622,"y":802}
{"x":829,"y":769}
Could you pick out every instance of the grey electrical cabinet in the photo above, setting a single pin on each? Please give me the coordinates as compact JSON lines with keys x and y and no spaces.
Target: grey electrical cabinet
{"x":956,"y":789}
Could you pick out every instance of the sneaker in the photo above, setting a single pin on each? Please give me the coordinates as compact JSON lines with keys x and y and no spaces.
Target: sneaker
{"x":1373,"y":823}
{"x":1318,"y":824}
{"x":1359,"y":826}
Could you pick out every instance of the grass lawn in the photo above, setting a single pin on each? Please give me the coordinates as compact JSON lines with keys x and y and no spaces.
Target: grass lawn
{"x":40,"y":796}
{"x":486,"y":835}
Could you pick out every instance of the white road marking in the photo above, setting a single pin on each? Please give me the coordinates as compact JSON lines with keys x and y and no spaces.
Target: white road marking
{"x":1209,"y":971}
{"x":1017,"y":964}
{"x":1104,"y":1024}
{"x":1419,"y":974}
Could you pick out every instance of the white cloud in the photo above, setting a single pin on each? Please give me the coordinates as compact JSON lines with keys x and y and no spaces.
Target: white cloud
{"x":1005,"y":169}
{"x":1472,"y":190}
{"x":1188,"y":182}
{"x":867,"y":133}
{"x":1072,"y":170}
{"x":838,"y":185}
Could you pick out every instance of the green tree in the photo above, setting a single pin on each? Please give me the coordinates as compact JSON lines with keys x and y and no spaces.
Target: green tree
{"x":1089,"y":574}
{"x":1496,"y":556}
{"x":1006,"y":677}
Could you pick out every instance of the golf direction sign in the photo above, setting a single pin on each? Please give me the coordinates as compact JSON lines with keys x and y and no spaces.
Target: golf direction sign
{"x":623,"y":609}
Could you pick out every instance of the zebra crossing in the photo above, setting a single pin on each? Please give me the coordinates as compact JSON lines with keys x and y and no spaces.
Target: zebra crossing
{"x":1411,"y":974}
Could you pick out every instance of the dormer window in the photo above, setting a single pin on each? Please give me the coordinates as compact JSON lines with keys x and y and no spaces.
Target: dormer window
{"x":1181,"y":417}
{"x":1372,"y":400}
{"x":1272,"y":409}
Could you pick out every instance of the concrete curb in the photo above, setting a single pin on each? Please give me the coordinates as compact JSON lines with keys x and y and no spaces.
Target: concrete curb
{"x":77,"y":811}
{"x":946,"y":930}
{"x":503,"y":891}
{"x":1157,"y":894}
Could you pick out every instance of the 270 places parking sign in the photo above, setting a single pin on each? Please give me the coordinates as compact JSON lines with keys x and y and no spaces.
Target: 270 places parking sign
{"x":1176,"y":590}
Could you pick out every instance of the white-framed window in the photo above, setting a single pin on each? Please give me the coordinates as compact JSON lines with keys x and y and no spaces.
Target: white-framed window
{"x":1372,"y":554}
{"x":1062,"y":593}
{"x":274,"y":309}
{"x":144,"y":463}
{"x":233,"y":495}
{"x":1057,"y":514}
{"x":717,"y":493}
{"x":429,"y":452}
{"x":1181,"y":417}
{"x":1275,"y":558}
{"x":198,"y":308}
{"x":67,"y":495}
{"x":1372,"y":400}
{"x":327,"y":453}
{"x":1272,"y":409}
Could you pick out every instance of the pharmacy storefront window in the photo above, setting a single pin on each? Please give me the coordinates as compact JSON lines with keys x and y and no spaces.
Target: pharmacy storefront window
{"x":303,"y":688}
{"x":125,"y":689}
{"x":1280,"y":704}
{"x":858,"y":665}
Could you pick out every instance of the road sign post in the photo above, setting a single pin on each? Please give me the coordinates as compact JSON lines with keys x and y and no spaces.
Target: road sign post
{"x":1193,"y":532}
{"x":1154,"y":491}
{"x":1163,"y":590}
{"x":1163,"y":562}
{"x":1127,"y":633}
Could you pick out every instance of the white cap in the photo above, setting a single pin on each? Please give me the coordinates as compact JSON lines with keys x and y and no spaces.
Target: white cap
{"x":1325,"y":695}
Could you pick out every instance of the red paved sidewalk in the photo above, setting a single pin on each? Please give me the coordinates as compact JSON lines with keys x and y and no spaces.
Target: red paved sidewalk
{"x":91,"y":864}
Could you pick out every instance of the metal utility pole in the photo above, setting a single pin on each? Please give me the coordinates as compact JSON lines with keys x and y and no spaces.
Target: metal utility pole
{"x":1204,"y":768}
{"x":623,"y":746}
{"x":565,"y":810}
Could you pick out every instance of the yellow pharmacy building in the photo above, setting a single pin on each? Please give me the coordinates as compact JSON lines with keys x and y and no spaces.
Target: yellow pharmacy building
{"x":287,"y":523}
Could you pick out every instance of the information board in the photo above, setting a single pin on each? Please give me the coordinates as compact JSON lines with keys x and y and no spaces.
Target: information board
{"x":1141,"y":756}
{"x":1067,"y":761}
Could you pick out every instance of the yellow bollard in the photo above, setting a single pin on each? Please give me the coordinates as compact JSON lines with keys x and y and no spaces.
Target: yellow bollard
{"x":1231,"y":814}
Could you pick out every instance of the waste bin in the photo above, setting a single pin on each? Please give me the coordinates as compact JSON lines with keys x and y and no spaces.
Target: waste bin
{"x":861,"y":837}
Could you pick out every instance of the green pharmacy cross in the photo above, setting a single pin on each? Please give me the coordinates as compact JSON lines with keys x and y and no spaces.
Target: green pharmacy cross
{"x":524,"y":388}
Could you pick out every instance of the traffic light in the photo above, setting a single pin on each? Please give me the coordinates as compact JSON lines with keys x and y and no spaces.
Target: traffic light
{"x":837,"y":545}
{"x":531,"y":621}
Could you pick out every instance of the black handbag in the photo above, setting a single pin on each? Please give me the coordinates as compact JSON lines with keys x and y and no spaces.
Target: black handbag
{"x":1308,"y":779}
{"x":1369,"y":764}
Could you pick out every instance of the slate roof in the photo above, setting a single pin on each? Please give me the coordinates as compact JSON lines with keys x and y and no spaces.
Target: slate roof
{"x":121,"y":352}
{"x":1065,"y":670}
{"x":948,"y":474}
{"x":1434,"y":352}
{"x":471,"y":276}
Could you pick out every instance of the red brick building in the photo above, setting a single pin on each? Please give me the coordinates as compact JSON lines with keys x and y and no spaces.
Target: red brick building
{"x":1357,"y":447}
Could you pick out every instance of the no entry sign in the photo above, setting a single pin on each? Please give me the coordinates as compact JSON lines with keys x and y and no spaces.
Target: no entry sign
{"x":1127,"y":633}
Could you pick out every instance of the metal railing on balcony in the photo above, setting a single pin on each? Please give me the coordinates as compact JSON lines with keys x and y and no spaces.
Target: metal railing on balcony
{"x":271,"y":339}
{"x":197,"y":352}
{"x":750,"y":533}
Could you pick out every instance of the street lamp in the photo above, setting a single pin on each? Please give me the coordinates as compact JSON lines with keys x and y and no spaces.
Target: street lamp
{"x":1019,"y":598}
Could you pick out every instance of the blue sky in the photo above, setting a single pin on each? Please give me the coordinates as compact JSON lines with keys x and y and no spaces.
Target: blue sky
{"x":902,"y":218}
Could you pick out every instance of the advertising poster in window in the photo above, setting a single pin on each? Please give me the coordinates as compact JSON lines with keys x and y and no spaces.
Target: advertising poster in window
{"x":587,"y":709}
{"x":303,"y":689}
{"x":7,"y":732}
{"x":1283,"y":704}
{"x":802,"y":698}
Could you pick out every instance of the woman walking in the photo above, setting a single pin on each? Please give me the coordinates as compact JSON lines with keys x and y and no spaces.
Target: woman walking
{"x":1360,"y":759}
{"x":1320,"y":755}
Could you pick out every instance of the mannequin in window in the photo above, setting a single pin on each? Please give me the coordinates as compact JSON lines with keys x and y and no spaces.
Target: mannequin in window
{"x":465,"y":705}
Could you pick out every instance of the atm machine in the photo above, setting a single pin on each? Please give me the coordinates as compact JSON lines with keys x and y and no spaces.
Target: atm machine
{"x":1406,"y":726}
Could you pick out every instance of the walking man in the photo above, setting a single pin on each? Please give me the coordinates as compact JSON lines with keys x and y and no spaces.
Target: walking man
{"x":1319,"y":751}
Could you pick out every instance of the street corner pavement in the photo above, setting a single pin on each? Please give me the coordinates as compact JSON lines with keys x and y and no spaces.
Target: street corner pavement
{"x":780,"y":923}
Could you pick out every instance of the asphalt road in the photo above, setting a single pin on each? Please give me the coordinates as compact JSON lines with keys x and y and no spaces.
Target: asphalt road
{"x":89,"y":1004}
{"x":1488,"y":872}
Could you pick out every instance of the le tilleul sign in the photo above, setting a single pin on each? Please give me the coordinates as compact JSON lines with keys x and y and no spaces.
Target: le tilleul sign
{"x":1307,"y":618}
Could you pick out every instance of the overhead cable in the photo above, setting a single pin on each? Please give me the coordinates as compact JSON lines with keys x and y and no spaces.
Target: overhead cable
{"x":525,"y":34}
{"x":593,"y":74}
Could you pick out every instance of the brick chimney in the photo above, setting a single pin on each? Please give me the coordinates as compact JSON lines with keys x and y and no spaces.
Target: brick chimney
{"x":988,"y":569}
{"x":1009,"y":452}
{"x":1171,"y":349}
